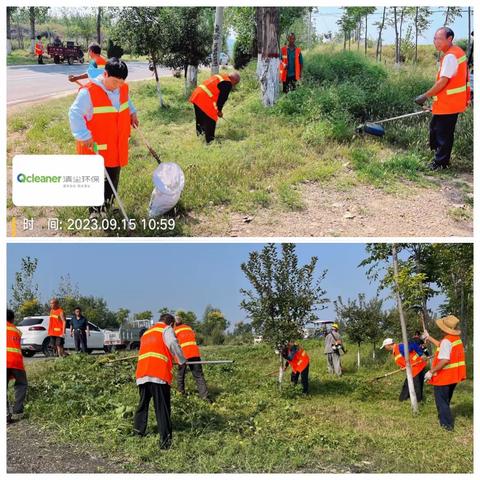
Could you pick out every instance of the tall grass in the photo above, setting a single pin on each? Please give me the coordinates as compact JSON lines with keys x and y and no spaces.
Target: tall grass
{"x":346,"y":424}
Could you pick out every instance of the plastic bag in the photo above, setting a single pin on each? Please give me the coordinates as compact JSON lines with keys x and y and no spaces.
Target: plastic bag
{"x":169,"y":181}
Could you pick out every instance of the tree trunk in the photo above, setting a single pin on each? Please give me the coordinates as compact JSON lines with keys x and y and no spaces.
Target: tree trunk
{"x":469,"y":28}
{"x":9,"y":31}
{"x":344,"y":41}
{"x":269,"y":61}
{"x":378,"y":54}
{"x":309,"y":28}
{"x":366,"y":31}
{"x":358,"y":355}
{"x":447,"y":14}
{"x":31,"y":14}
{"x":411,"y":388}
{"x":280,"y":372}
{"x":359,"y":33}
{"x":397,"y":44}
{"x":99,"y":26}
{"x":190,"y":79}
{"x":217,"y":39}
{"x":416,"y":35}
{"x":400,"y":31}
{"x":374,"y":353}
{"x":463,"y":320}
{"x":157,"y":80}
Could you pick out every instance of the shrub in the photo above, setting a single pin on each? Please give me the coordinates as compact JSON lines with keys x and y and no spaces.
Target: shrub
{"x":241,"y":54}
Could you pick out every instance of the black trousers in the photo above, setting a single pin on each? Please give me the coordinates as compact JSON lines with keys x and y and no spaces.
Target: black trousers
{"x":20,"y":386}
{"x":417,"y":384}
{"x":442,"y":130}
{"x":304,"y":378}
{"x":40,"y":59}
{"x":197,"y":373}
{"x":289,"y":84}
{"x":443,"y":396}
{"x":109,"y":197}
{"x":80,"y":338}
{"x":161,"y":403}
{"x":204,"y":124}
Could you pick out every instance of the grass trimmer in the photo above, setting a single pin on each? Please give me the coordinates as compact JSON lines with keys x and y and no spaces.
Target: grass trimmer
{"x":377,"y":130}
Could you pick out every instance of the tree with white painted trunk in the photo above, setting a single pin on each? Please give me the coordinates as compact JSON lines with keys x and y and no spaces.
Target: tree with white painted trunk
{"x":217,"y":39}
{"x":268,"y":35}
{"x":9,"y":30}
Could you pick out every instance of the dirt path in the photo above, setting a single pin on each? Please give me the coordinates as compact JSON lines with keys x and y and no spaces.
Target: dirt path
{"x":361,"y":210}
{"x":29,"y":450}
{"x":438,"y":210}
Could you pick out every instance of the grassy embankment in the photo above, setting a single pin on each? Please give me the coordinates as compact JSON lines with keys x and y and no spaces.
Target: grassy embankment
{"x":262,"y":156}
{"x":345,"y":424}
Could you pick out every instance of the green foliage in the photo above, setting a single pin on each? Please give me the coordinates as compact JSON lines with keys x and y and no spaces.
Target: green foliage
{"x":347,"y":424}
{"x":284,"y":295}
{"x":213,"y":326}
{"x":241,"y":54}
{"x":25,"y":296}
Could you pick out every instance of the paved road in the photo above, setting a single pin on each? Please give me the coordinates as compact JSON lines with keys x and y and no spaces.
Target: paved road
{"x":30,"y":83}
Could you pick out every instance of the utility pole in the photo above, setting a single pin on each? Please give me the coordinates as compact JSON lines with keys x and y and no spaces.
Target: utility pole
{"x":411,"y":388}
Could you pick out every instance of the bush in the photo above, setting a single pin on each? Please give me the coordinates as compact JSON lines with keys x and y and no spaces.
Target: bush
{"x":241,"y":54}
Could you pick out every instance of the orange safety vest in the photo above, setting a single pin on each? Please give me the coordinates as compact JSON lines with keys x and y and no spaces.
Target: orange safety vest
{"x":154,"y":358}
{"x":56,"y":326}
{"x":14,"y":349}
{"x":416,"y":361}
{"x":205,"y":96}
{"x":299,"y":361}
{"x":455,"y":370}
{"x":454,"y":97}
{"x":110,"y":128}
{"x":284,"y":64}
{"x":186,"y":339}
{"x":39,"y":48}
{"x":100,"y":61}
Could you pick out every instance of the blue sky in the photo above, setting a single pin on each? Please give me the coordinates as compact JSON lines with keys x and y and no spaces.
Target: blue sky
{"x":326,"y":20}
{"x":179,"y":276}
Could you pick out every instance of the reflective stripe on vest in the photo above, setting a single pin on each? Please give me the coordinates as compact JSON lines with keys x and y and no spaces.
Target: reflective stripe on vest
{"x":111,"y":109}
{"x":14,"y":329}
{"x":152,"y":354}
{"x":183,"y":329}
{"x":206,"y":90}
{"x":14,"y":350}
{"x":154,"y":329}
{"x":453,"y":365}
{"x":186,"y":344}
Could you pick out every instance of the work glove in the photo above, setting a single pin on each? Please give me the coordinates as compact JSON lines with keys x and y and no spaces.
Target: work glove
{"x":421,"y":99}
{"x":428,"y":375}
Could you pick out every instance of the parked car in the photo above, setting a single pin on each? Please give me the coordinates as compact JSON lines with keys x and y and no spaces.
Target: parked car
{"x":35,"y":336}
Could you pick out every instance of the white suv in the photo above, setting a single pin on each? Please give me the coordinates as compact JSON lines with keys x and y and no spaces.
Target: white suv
{"x":35,"y":336}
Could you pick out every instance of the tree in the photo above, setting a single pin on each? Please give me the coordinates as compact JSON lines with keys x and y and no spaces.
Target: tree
{"x":422,"y":22}
{"x":451,"y":13}
{"x":25,"y":297}
{"x":35,"y":14}
{"x":213,"y":326}
{"x":284,"y":296}
{"x":397,"y":283}
{"x":10,"y":11}
{"x":268,"y":35}
{"x":99,"y":25}
{"x":143,"y":30}
{"x":243,"y":333}
{"x":217,"y":39}
{"x":363,"y":321}
{"x":381,"y":25}
{"x":146,"y":315}
{"x":189,"y":318}
{"x":122,"y":315}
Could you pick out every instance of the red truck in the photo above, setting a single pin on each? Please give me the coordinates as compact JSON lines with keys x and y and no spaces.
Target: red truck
{"x":71,"y":53}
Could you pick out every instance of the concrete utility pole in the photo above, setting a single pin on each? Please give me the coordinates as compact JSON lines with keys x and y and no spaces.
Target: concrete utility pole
{"x":411,"y":388}
{"x":217,"y":39}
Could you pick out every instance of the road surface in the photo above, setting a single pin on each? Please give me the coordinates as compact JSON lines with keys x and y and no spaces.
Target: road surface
{"x":31,"y":83}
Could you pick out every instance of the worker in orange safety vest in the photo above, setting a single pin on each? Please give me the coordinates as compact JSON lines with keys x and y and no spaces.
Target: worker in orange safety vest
{"x":15,"y":369}
{"x":298,"y":359}
{"x":450,"y":94}
{"x":448,"y":367}
{"x":291,"y":64}
{"x":96,"y":66}
{"x":158,"y":350}
{"x":100,"y":120}
{"x":56,"y":327}
{"x":39,"y":50}
{"x":208,"y":101}
{"x":188,"y":344}
{"x":417,"y":362}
